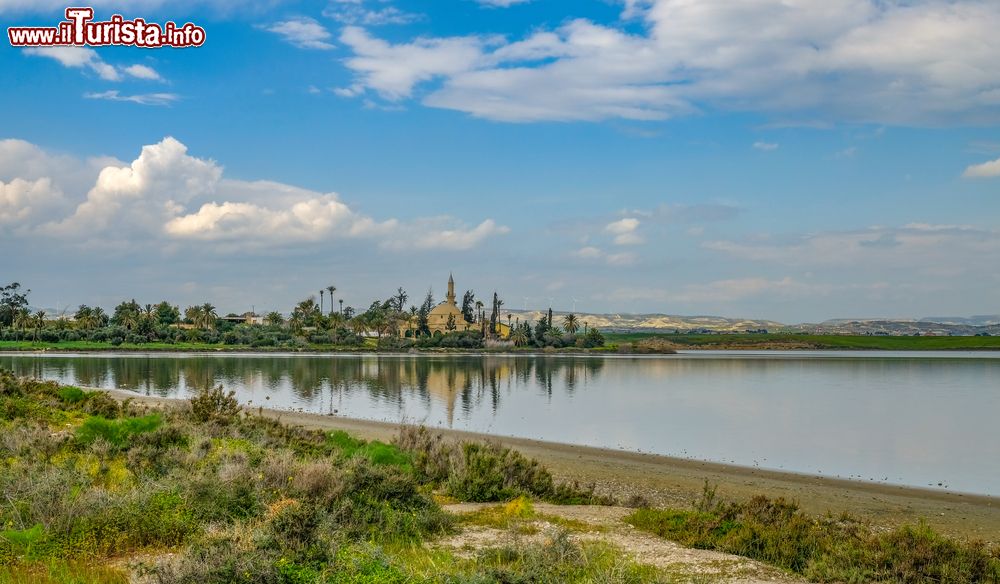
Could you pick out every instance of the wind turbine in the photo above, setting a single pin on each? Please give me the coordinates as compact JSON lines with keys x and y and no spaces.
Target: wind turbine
{"x":574,"y":304}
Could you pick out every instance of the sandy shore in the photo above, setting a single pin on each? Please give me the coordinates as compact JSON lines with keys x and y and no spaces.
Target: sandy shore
{"x":676,"y":482}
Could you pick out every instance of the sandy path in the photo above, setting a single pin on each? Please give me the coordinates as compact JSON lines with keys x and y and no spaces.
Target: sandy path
{"x":677,"y":482}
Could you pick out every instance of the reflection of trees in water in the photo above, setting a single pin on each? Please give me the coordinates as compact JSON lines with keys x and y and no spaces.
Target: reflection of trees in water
{"x":459,"y":383}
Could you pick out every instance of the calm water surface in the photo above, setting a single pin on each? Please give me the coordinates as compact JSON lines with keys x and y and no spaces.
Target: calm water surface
{"x":924,"y":419}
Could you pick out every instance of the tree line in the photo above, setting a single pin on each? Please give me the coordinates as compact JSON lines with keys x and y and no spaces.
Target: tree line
{"x":393,"y":324}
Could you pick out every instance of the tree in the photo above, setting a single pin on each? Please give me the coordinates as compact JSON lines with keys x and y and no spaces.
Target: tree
{"x":571,"y":324}
{"x":519,"y":337}
{"x":401,"y":297}
{"x":450,"y":325}
{"x":423,"y":326}
{"x":22,"y":319}
{"x":479,"y":311}
{"x":39,"y":322}
{"x":341,"y":306}
{"x":167,"y":314}
{"x":468,"y":304}
{"x":321,"y":292}
{"x":208,"y":315}
{"x":306,"y":312}
{"x":274,"y":318}
{"x":127,"y":314}
{"x":12,"y":300}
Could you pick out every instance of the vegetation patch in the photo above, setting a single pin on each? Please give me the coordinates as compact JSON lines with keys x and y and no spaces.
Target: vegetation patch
{"x":117,"y":433}
{"x":826,"y":549}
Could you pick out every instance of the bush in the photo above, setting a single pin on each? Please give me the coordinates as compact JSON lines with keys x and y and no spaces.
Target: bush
{"x":824,"y":550}
{"x":214,"y":405}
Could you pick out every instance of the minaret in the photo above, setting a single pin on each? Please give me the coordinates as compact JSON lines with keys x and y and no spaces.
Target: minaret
{"x":451,"y":290}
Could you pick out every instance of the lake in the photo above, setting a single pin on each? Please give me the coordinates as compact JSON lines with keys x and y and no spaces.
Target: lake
{"x":922,"y":419}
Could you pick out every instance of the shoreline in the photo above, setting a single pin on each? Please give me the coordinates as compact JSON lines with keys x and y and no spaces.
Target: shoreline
{"x":677,"y":482}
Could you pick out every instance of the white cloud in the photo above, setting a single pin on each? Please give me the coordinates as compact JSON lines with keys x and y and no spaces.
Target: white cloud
{"x":20,"y":199}
{"x":303,"y":32}
{"x":161,"y":99}
{"x":592,"y":253}
{"x":169,"y":196}
{"x":985,"y":170}
{"x":765,"y":146}
{"x":393,"y":70}
{"x":86,"y":58}
{"x":931,"y":62}
{"x":625,"y":231}
{"x":78,"y":57}
{"x":142,"y":72}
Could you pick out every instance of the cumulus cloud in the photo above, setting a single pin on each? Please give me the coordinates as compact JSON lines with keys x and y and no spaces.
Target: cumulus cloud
{"x":989,"y":169}
{"x":931,"y":62}
{"x":303,"y":32}
{"x":20,"y":199}
{"x":168,"y":195}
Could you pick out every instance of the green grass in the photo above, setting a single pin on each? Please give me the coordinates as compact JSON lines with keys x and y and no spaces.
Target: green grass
{"x":118,"y":433}
{"x":854,"y":342}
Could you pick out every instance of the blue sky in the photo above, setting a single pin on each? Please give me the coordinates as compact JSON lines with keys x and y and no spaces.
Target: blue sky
{"x":788,"y":160}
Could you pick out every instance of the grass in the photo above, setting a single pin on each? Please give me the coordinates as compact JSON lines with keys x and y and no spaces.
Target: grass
{"x":847,"y":342}
{"x":234,"y":498}
{"x":826,"y":549}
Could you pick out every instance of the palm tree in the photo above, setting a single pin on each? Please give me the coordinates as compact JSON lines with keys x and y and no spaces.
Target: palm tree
{"x":571,"y":324}
{"x":39,"y":322}
{"x":520,"y":339}
{"x":479,"y":310}
{"x":341,"y":300}
{"x":22,"y":319}
{"x":331,"y":289}
{"x":100,"y":317}
{"x":274,"y":318}
{"x":208,"y":315}
{"x":321,"y":292}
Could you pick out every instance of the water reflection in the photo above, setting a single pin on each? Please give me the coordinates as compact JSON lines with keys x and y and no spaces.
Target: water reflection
{"x":320,"y":383}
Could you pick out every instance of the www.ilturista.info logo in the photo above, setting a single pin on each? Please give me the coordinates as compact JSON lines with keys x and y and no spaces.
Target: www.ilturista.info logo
{"x":79,"y":29}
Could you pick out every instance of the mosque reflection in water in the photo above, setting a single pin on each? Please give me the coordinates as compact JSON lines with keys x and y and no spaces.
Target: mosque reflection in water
{"x":324,"y":384}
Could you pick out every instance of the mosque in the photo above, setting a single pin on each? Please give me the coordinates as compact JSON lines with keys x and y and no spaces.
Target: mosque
{"x":440,"y":315}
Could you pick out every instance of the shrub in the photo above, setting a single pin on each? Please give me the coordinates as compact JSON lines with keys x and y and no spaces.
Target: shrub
{"x":99,"y":403}
{"x":214,"y":405}
{"x":824,"y":550}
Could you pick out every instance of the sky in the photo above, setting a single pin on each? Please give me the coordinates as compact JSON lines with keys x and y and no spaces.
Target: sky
{"x":794,"y":160}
